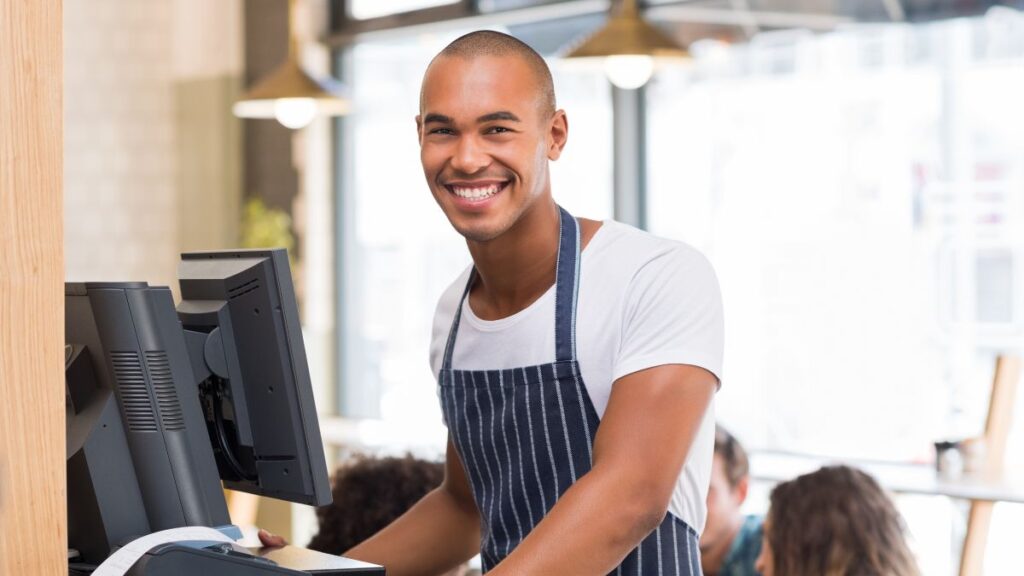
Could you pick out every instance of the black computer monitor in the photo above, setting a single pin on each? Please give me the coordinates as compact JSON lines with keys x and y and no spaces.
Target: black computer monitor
{"x":138,"y":456}
{"x":242,"y":325}
{"x":162,"y":406}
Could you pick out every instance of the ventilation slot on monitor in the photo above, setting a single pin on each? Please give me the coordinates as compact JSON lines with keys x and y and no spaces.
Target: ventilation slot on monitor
{"x":131,"y":382}
{"x":166,"y":396}
{"x":249,"y":286}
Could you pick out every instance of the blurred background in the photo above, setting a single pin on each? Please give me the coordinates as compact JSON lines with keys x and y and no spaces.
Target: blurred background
{"x":853,"y":168}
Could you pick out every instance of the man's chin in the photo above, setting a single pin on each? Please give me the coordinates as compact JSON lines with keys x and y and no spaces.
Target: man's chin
{"x":479,"y":231}
{"x":478,"y":235}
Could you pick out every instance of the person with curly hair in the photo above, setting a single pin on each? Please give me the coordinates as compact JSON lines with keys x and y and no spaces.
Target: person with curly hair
{"x":369,"y":493}
{"x":836,"y":521}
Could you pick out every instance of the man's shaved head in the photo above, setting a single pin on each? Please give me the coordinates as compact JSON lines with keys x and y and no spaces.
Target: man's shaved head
{"x":498,"y":44}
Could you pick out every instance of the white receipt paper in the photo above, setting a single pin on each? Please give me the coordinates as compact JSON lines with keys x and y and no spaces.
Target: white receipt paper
{"x":119,"y":562}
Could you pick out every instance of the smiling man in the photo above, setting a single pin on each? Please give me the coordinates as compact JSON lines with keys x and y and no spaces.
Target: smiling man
{"x":576,"y":360}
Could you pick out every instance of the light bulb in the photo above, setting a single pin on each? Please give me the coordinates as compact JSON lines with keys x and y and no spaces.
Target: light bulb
{"x":294,"y":112}
{"x":629,"y":71}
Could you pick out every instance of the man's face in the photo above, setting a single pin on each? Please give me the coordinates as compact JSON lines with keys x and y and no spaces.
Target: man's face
{"x":724,"y":501}
{"x":485,"y":141}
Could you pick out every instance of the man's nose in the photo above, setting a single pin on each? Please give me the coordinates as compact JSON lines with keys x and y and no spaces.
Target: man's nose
{"x":470,"y":157}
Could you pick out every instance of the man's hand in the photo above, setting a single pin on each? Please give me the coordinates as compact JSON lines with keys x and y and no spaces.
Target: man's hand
{"x":271,"y":540}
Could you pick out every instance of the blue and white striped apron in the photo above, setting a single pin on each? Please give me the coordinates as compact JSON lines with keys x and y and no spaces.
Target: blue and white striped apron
{"x":525,"y":435}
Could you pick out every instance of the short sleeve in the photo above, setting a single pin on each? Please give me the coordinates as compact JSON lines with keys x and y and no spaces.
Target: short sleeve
{"x":672,"y":314}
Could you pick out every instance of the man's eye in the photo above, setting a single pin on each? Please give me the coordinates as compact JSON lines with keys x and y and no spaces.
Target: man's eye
{"x":498,"y":130}
{"x":441,"y":131}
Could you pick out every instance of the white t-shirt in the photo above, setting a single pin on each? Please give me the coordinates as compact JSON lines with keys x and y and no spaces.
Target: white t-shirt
{"x":643,"y":301}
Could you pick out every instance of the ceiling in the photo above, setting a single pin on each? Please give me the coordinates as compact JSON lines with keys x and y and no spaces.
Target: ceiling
{"x":735,"y":20}
{"x":548,"y":24}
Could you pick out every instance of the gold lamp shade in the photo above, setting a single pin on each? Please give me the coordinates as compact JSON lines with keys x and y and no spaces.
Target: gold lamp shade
{"x":290,"y":81}
{"x":289,"y":93}
{"x":627,"y":34}
{"x":629,"y":46}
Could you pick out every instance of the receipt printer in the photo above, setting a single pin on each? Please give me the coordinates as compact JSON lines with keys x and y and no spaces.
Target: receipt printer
{"x":228,"y":559}
{"x":205,"y":557}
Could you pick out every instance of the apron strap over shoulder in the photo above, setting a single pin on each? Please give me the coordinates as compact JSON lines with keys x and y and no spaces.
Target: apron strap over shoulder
{"x":566,"y":287}
{"x":449,"y":347}
{"x":567,"y":274}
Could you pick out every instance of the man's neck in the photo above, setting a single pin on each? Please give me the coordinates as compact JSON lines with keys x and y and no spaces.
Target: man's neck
{"x":711,"y":560}
{"x":519,"y":267}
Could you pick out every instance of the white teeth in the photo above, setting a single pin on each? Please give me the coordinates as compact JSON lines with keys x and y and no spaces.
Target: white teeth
{"x":476,"y":193}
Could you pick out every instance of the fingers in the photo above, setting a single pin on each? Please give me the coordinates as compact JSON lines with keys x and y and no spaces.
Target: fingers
{"x":272,"y":540}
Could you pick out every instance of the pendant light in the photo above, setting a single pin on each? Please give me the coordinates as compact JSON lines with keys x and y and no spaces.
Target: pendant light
{"x":629,"y":46}
{"x":289,"y":93}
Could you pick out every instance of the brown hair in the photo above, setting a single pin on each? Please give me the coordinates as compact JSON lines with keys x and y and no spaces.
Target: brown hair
{"x":491,"y":43}
{"x":734,"y":457}
{"x":369,"y":493}
{"x":836,"y":522}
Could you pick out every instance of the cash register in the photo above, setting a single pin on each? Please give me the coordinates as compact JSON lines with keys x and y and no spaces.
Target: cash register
{"x":166,"y":406}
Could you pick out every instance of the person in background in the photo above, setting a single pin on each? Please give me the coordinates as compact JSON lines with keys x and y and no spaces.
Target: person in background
{"x":834,"y":522}
{"x":369,"y":493}
{"x":731,"y":542}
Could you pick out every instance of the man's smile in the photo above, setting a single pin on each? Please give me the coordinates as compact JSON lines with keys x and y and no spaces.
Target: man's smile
{"x":477,"y":190}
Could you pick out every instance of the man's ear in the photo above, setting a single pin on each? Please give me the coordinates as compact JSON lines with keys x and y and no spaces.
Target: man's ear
{"x":741,"y":489}
{"x":419,"y":128}
{"x":559,"y":134}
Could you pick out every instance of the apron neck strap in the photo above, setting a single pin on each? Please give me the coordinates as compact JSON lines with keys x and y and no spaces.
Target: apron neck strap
{"x":567,"y":275}
{"x":567,"y":272}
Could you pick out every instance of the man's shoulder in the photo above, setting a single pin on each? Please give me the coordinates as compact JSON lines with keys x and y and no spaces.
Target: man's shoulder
{"x":616,"y":232}
{"x":746,"y":548}
{"x":629,"y":249}
{"x":753,"y":526}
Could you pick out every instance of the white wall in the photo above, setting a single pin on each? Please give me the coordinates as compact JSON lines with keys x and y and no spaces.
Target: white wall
{"x":122,"y":161}
{"x":119,"y":142}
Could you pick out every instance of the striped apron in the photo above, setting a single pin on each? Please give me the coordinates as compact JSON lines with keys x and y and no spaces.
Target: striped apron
{"x":525,"y":435}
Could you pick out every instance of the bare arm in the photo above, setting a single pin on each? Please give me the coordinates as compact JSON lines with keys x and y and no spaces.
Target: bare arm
{"x":640,"y":448}
{"x":437,"y":534}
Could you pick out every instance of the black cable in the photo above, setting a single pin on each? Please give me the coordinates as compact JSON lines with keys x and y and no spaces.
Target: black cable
{"x":222,"y":439}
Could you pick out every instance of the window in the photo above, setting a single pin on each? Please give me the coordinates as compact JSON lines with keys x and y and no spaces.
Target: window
{"x":862,"y":213}
{"x":861,"y":194}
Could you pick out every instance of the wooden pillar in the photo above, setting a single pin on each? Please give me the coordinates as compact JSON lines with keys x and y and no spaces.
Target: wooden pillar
{"x":33,"y":517}
{"x":997,"y":430}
